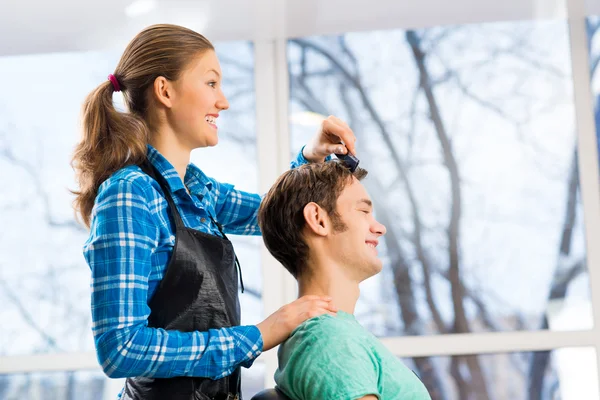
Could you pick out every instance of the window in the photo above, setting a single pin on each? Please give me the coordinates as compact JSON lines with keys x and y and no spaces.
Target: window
{"x":470,"y":139}
{"x":44,"y":276}
{"x":567,"y":374}
{"x":593,"y":33}
{"x":81,"y":385}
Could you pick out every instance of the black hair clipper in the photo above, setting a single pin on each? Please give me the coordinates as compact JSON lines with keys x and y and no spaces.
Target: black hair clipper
{"x":349,"y":160}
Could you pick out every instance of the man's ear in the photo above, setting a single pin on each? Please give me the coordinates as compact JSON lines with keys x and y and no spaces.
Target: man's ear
{"x":317,"y":220}
{"x":163,"y":91}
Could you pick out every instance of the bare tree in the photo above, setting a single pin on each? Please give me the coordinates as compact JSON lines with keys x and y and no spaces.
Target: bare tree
{"x":566,"y":269}
{"x":478,"y":384}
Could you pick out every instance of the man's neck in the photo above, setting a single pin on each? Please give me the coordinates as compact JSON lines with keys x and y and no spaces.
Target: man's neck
{"x":331,"y":281}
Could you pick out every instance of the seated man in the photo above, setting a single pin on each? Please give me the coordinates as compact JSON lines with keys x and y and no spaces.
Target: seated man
{"x":317,"y":220}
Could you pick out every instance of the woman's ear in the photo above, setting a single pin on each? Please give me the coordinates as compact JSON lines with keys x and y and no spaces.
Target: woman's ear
{"x":317,"y":220}
{"x":163,"y":91}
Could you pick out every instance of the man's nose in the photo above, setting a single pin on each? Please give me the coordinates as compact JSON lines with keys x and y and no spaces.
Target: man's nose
{"x":379,"y":229}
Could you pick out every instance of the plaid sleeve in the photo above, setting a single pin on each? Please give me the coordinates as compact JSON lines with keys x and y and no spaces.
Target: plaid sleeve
{"x":123,"y":237}
{"x":236,"y":210}
{"x":300,"y":160}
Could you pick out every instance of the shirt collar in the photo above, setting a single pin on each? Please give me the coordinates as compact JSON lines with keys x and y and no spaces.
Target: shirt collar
{"x":196,"y":181}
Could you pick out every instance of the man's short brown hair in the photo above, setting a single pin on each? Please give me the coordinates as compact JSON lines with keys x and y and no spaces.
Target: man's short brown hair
{"x":281,"y":214}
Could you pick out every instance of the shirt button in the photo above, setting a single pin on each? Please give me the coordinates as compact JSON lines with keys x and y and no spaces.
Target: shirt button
{"x":203,"y":220}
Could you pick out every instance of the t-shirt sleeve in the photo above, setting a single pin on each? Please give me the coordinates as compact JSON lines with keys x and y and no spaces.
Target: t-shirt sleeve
{"x":327,"y":364}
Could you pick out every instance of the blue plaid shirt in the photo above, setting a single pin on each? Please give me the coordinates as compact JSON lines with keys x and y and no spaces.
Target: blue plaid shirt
{"x":130,"y":244}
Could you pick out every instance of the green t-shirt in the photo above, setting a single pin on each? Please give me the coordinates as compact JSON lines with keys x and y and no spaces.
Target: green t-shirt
{"x":335,"y":358}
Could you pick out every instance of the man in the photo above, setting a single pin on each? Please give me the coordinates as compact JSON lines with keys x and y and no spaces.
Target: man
{"x":317,"y":220}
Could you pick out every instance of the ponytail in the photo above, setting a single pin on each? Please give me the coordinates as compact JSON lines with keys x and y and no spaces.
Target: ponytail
{"x":111,"y":140}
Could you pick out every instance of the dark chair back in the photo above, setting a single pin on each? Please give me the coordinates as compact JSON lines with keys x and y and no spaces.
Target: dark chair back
{"x":270,"y":394}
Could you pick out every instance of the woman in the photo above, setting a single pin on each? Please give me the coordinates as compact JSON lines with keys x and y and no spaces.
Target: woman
{"x":165,"y":307}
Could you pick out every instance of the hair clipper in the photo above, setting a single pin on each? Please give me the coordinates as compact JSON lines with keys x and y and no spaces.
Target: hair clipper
{"x":349,"y":160}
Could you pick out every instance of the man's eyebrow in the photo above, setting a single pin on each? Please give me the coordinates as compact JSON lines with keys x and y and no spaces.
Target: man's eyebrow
{"x":365,"y":201}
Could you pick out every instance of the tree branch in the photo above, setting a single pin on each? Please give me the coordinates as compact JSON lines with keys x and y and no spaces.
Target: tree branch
{"x":461,"y":324}
{"x":561,"y":280}
{"x":50,"y":221}
{"x":28,"y":318}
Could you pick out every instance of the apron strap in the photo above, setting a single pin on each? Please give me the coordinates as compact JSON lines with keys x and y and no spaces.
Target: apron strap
{"x":237,"y":262}
{"x":154,"y":174}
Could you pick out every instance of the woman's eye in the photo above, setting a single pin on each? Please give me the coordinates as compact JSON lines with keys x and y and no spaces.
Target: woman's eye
{"x":212,"y":84}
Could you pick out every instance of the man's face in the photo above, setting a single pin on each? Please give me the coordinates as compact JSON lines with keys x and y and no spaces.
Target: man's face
{"x":356,"y":245}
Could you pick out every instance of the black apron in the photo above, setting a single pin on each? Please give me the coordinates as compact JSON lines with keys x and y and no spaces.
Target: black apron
{"x":198,"y":292}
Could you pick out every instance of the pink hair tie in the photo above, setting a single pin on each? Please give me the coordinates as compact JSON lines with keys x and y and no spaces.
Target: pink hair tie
{"x":114,"y":82}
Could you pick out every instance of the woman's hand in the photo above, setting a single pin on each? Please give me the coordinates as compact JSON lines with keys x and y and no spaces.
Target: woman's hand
{"x":279,"y":325}
{"x":334,"y":136}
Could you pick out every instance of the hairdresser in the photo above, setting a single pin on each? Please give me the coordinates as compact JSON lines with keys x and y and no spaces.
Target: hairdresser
{"x":164,"y":276}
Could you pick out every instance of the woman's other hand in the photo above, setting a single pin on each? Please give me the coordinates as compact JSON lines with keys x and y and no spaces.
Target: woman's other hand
{"x":279,"y":325}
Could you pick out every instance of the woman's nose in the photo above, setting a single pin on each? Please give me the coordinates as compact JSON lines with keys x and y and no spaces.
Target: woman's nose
{"x":222,"y":103}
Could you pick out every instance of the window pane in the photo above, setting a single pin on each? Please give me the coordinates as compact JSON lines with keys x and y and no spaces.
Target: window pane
{"x":593,"y":32}
{"x":80,"y":385}
{"x":469,"y":135}
{"x":566,"y":374}
{"x":44,"y":276}
{"x":253,"y":379}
